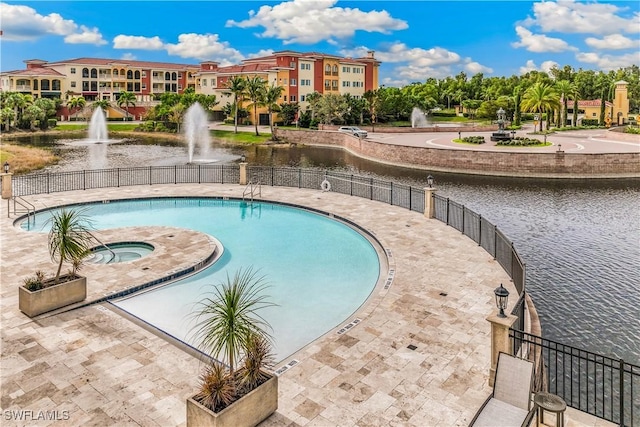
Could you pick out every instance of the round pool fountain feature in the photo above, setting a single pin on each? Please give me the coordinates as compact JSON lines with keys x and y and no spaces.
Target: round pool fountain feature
{"x":112,"y":253}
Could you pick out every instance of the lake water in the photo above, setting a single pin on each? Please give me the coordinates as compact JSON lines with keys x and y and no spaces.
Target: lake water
{"x":580,"y":239}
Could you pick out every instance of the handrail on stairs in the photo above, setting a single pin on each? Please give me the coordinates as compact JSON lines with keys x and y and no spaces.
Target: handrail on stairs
{"x":252,"y":189}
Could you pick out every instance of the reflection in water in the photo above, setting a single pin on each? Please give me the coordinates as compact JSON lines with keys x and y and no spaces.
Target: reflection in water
{"x":580,"y":239}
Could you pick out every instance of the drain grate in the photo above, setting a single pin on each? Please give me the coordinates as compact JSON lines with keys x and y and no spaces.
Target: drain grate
{"x":443,"y":294}
{"x":286,"y":367}
{"x":411,"y":347}
{"x":348,"y":326}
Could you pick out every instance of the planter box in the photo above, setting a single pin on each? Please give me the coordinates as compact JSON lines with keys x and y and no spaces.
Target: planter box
{"x":249,"y":411}
{"x":33,"y":303}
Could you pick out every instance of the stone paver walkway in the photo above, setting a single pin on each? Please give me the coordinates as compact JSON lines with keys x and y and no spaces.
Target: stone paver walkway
{"x":90,"y":366}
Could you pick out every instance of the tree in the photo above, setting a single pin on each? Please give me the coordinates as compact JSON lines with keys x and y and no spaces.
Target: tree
{"x":565,"y":89}
{"x":236,"y":86}
{"x":33,"y":114}
{"x":69,"y":238}
{"x":332,"y":107}
{"x":175,"y":115}
{"x":517,"y":99}
{"x":603,"y":101}
{"x":254,"y":89}
{"x":76,"y":103}
{"x":228,"y":318}
{"x":270,"y":99}
{"x":288,"y":112}
{"x":103,"y":103}
{"x":7,"y":115}
{"x":540,"y":98}
{"x":373,"y":104}
{"x":127,"y":99}
{"x":576,"y":98}
{"x":471,"y":105}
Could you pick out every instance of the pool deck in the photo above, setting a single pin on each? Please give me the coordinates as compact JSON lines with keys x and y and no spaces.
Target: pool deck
{"x":91,"y":366}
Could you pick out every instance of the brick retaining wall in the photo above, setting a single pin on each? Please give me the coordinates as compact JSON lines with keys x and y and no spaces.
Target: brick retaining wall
{"x":548,"y":165}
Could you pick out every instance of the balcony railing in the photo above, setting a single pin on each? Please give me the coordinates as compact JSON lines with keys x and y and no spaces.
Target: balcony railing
{"x":23,"y":87}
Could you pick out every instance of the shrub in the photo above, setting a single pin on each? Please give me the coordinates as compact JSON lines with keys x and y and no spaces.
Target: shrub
{"x":473,"y":139}
{"x":590,"y":122}
{"x":147,"y":126}
{"x":521,"y":142}
{"x":52,"y":123}
{"x":632,"y":129}
{"x":35,"y":282}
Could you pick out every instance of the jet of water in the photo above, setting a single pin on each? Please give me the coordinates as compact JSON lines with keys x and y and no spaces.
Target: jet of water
{"x":196,"y":131}
{"x":418,"y":118}
{"x":98,"y":126}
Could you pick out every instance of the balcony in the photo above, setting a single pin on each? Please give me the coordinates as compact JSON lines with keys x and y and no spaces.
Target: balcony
{"x":23,"y":88}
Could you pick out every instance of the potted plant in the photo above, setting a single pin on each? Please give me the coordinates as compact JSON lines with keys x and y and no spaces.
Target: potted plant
{"x":229,"y":327}
{"x":69,"y":241}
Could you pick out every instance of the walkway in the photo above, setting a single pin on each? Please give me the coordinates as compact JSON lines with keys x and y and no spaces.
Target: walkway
{"x":419,"y":356}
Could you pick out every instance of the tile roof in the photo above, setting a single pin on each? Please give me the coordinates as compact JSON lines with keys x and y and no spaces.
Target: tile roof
{"x":34,"y":72}
{"x":104,"y":61}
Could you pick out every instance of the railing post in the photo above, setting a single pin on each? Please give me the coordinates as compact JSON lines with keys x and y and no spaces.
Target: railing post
{"x":479,"y":230}
{"x":622,"y":394}
{"x":84,"y":179}
{"x":243,"y":173}
{"x":499,"y":339}
{"x":175,"y":174}
{"x":118,"y":177}
{"x":391,"y":193}
{"x":199,"y":166}
{"x":430,"y":202}
{"x":370,"y":188}
{"x":463,"y":209}
{"x":149,"y":175}
{"x":351,"y":186}
{"x":447,"y":211}
{"x":410,"y":198}
{"x":48,"y":183}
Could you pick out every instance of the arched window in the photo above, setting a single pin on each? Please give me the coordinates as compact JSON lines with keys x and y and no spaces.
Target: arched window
{"x":129,"y":75}
{"x":136,"y":75}
{"x":44,"y":84}
{"x":85,"y":73}
{"x":122,"y":72}
{"x":35,"y":84}
{"x":94,"y":73}
{"x":115,"y":72}
{"x":174,"y":76}
{"x":327,"y":68}
{"x":167,"y":76}
{"x":55,"y":85}
{"x":335,"y":69}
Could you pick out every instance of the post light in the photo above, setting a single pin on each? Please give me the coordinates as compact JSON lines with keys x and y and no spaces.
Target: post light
{"x":501,"y":114}
{"x":6,"y":167}
{"x":513,"y":134}
{"x":243,"y":158}
{"x":459,"y":135}
{"x":430,"y":181}
{"x":545,"y":138}
{"x":559,"y":147}
{"x":502,"y":296}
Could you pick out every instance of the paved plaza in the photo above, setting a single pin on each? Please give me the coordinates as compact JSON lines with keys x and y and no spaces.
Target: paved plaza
{"x":419,"y":356}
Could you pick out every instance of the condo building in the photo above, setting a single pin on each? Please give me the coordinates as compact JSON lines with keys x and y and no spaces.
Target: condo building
{"x":300,"y":74}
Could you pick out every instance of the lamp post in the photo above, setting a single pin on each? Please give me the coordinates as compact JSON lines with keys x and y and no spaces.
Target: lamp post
{"x":513,"y":134}
{"x":7,"y":191}
{"x":460,"y":135}
{"x":430,"y":181}
{"x":243,"y":170}
{"x":502,"y":297}
{"x":6,"y":167}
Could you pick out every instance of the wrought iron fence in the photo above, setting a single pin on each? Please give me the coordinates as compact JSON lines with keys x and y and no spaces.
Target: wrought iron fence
{"x":603,"y":386}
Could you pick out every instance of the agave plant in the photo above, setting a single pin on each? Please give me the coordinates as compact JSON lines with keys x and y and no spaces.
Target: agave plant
{"x":228,"y":319}
{"x":217,"y":387}
{"x":257,"y":356}
{"x":69,"y":238}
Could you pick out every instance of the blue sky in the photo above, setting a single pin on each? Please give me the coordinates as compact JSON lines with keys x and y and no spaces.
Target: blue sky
{"x":413,"y":39}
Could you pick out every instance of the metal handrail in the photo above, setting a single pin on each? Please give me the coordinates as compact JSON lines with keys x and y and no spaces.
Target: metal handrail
{"x":252,"y":189}
{"x":31,"y":209}
{"x":113,"y":254}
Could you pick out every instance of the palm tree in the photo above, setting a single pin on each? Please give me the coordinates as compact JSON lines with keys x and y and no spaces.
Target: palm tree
{"x":313,"y":99}
{"x":103,"y":103}
{"x":540,"y":98}
{"x":236,"y":86}
{"x":517,"y":100}
{"x":228,"y":319}
{"x":270,"y":99}
{"x":565,"y":89}
{"x":576,"y":98}
{"x":76,"y":103}
{"x":126,"y":99}
{"x":254,"y":89}
{"x":69,"y":238}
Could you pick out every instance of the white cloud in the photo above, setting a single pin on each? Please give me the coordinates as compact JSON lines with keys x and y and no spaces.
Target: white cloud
{"x":311,"y":21}
{"x":418,"y":64}
{"x":609,"y":62}
{"x":204,"y":47}
{"x":137,"y":42}
{"x":546,"y":66}
{"x":87,"y":36}
{"x":612,"y":41}
{"x":538,"y":42}
{"x":128,"y":56}
{"x":260,"y":53}
{"x":569,"y":16}
{"x":25,"y":23}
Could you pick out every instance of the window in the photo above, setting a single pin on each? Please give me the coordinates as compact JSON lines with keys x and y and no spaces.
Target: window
{"x":136,"y":75}
{"x":292,"y":64}
{"x":284,"y":82}
{"x":293,"y":98}
{"x":302,"y":97}
{"x":144,"y":86}
{"x":346,"y":69}
{"x":213,"y":82}
{"x":305,"y":66}
{"x":73,"y":84}
{"x":204,"y":82}
{"x":144,"y":74}
{"x":179,"y":75}
{"x":335,"y":69}
{"x":179,"y":87}
{"x":285,"y":98}
{"x":85,"y":73}
{"x":94,"y":73}
{"x":129,"y":75}
{"x":293,"y":82}
{"x":73,"y":70}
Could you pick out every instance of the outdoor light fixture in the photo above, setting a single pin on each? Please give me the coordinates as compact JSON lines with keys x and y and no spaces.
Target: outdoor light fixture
{"x":559,"y":147}
{"x":513,"y":134}
{"x":459,"y":135}
{"x":430,"y":181}
{"x":501,"y":114}
{"x":502,"y":295}
{"x":6,"y":167}
{"x":243,"y":158}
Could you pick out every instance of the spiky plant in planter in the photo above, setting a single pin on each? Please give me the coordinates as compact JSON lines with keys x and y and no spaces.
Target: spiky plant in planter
{"x":69,"y":239}
{"x":230,"y":328}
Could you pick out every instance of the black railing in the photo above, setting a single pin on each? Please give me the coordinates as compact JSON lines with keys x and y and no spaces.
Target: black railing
{"x":599,"y":385}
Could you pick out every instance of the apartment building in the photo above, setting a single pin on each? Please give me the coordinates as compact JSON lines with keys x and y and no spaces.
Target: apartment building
{"x":299,"y":73}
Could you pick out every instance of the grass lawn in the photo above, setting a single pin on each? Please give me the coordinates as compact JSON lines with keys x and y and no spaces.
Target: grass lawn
{"x":25,"y":159}
{"x":240,"y":137}
{"x":111,"y":127}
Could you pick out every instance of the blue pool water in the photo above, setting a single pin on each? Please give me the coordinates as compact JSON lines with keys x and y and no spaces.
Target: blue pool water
{"x":319,"y":270}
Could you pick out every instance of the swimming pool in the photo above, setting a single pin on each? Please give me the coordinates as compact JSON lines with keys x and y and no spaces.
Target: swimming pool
{"x":320,"y":270}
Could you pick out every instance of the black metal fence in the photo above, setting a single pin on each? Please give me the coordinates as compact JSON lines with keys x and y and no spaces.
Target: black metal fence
{"x":599,"y":385}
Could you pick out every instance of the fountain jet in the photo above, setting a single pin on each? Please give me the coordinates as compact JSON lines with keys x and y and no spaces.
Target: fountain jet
{"x":98,"y":127}
{"x":196,"y":131}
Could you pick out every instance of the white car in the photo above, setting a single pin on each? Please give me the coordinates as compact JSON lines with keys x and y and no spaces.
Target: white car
{"x":353,"y":130}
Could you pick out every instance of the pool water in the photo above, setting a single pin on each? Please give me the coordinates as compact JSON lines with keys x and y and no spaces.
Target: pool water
{"x":119,"y":252}
{"x":319,"y":270}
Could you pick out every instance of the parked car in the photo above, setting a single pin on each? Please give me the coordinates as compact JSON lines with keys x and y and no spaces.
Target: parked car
{"x":354,"y":130}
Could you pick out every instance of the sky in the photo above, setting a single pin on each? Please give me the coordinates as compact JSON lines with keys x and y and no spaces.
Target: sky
{"x":414,"y":40}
